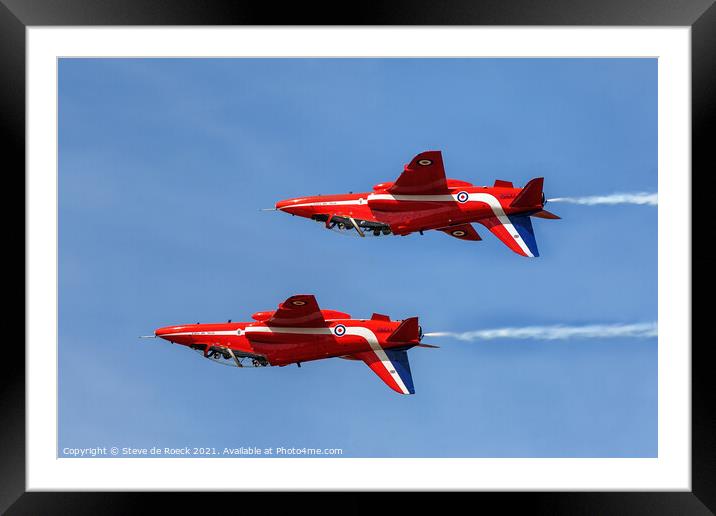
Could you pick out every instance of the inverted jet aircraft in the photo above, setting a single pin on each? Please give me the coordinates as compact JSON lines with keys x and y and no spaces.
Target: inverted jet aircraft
{"x":299,"y":331}
{"x":422,"y":198}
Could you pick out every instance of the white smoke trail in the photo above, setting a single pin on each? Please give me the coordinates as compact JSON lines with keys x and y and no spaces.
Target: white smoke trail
{"x":616,"y":198}
{"x":557,"y":332}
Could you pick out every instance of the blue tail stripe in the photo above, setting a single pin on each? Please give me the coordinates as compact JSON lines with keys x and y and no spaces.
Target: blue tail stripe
{"x":523,"y":225}
{"x":399,"y":359}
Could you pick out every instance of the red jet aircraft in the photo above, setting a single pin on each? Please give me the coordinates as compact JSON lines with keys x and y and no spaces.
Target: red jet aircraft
{"x":299,"y":331}
{"x":422,"y":198}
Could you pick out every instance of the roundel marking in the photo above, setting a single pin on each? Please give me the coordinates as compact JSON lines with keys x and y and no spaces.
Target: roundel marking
{"x":458,"y":233}
{"x":425,"y":162}
{"x":238,"y":332}
{"x":298,"y":303}
{"x":339,"y":330}
{"x":462,"y":197}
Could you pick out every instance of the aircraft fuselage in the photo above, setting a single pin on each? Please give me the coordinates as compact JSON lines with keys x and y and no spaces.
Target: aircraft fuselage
{"x":287,"y":345}
{"x":410,"y":213}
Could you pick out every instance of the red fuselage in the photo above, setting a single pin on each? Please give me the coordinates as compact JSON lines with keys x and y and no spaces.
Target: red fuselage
{"x":410,"y":213}
{"x":299,"y":331}
{"x":280,"y":346}
{"x":422,"y":198}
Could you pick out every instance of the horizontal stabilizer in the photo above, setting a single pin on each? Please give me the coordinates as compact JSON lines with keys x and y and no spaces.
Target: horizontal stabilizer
{"x":544,"y":214}
{"x":463,"y":232}
{"x":530,"y":196}
{"x":379,"y":317}
{"x":428,"y":346}
{"x":499,"y":183}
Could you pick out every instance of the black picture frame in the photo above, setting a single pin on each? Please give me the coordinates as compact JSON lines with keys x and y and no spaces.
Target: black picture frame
{"x":700,"y":15}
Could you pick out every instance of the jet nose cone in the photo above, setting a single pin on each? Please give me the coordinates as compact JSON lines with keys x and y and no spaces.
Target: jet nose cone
{"x":297,"y":206}
{"x":164,"y":332}
{"x":286,"y":203}
{"x":184,"y":334}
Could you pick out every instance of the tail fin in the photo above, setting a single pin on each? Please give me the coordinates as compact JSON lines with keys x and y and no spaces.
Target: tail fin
{"x":408,"y":331}
{"x":530,"y":196}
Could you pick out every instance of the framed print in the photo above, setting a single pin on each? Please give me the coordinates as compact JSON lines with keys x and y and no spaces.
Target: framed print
{"x":532,"y":251}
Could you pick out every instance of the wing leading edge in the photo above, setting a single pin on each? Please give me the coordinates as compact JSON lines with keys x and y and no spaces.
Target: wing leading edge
{"x":463,"y":232}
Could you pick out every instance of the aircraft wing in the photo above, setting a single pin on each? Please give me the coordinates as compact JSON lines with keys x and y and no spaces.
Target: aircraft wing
{"x":298,"y":311}
{"x":515,"y":231}
{"x":391,"y":366}
{"x":424,"y":175}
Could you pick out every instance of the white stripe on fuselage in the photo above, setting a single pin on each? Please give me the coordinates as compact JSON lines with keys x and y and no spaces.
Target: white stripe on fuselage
{"x":325,"y":203}
{"x":220,"y":332}
{"x":486,"y":198}
{"x":367,"y":334}
{"x":359,"y":331}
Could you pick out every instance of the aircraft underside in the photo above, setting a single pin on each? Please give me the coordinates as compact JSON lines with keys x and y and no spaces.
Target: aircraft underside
{"x":225,"y":355}
{"x":514,"y":230}
{"x":361,"y":227}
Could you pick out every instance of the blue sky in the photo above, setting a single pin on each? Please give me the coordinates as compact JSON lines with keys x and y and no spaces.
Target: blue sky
{"x":163,"y":165}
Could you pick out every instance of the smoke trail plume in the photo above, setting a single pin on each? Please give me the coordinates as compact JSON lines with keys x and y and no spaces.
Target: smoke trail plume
{"x":557,"y":332}
{"x":616,"y":198}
